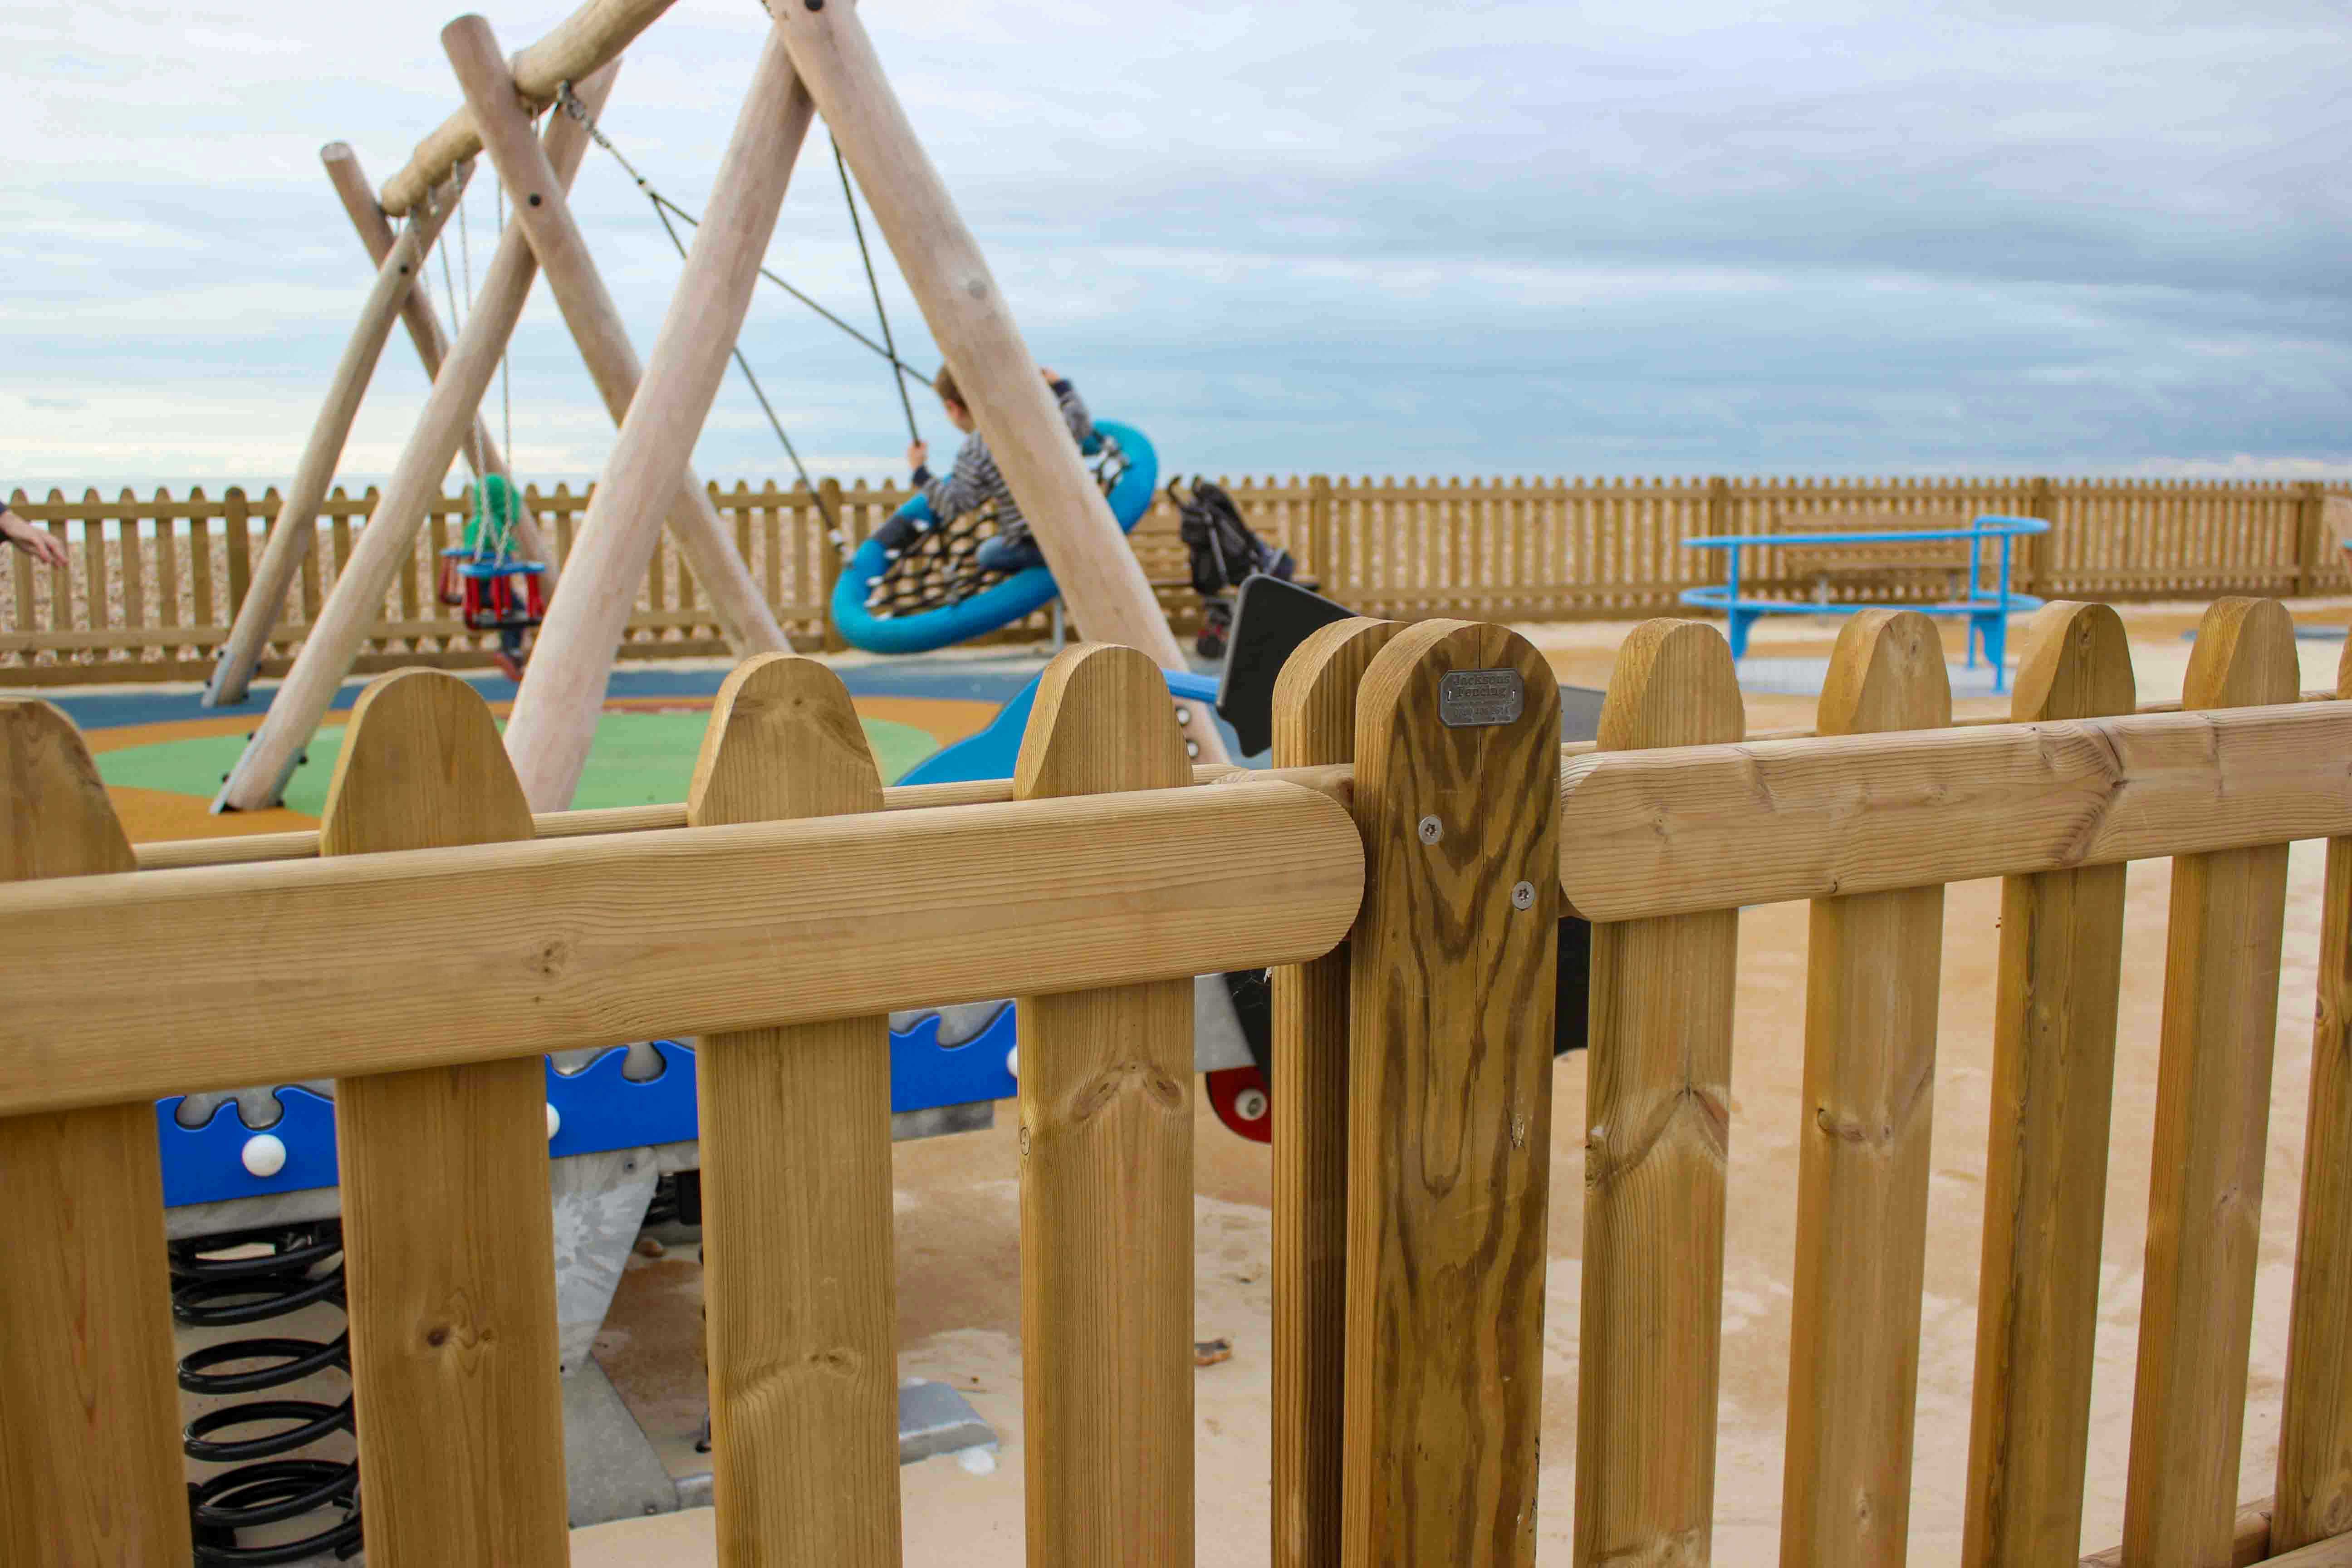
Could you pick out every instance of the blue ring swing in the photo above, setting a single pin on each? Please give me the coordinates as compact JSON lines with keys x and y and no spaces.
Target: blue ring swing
{"x":999,"y":602}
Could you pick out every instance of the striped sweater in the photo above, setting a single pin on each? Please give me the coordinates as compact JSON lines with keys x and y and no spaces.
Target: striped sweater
{"x":976,"y":480}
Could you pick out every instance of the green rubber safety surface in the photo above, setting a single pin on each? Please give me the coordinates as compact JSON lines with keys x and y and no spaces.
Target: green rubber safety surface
{"x":637,"y":758}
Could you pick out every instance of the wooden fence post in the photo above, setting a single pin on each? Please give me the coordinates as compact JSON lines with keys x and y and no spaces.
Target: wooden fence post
{"x":2046,"y":1166}
{"x":798,"y":1285}
{"x":448,"y":1234}
{"x":1313,"y":724}
{"x":2314,"y":1498}
{"x":1862,"y":1174}
{"x":1107,"y":1178}
{"x":1449,"y":1136}
{"x":91,"y":1470}
{"x":2212,"y":1117}
{"x":1659,"y":1120}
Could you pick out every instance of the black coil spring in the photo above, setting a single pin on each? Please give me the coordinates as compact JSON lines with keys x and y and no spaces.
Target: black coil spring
{"x":251,"y":1277}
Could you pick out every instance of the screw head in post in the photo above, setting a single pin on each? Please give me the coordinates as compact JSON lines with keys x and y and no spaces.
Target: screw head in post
{"x":1432,"y":830}
{"x":1523,"y":895}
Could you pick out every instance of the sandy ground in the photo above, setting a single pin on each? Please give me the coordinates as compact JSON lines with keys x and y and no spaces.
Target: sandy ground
{"x":957,"y":1240}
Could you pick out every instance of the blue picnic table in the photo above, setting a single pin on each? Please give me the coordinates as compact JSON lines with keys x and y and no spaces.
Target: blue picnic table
{"x":1987,"y":608}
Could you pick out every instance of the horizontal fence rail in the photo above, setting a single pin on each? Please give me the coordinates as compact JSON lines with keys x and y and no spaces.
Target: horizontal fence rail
{"x":247,"y":971}
{"x":155,"y":582}
{"x":1711,"y":828}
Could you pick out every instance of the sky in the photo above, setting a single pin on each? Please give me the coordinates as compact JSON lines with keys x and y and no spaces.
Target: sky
{"x":1622,"y":237}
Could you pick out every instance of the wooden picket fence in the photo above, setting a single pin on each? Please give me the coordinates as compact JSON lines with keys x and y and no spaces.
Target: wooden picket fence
{"x":1406,"y":869}
{"x":156,"y":581}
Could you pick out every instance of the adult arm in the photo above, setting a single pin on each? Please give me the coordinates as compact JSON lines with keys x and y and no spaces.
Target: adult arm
{"x":37,"y":543}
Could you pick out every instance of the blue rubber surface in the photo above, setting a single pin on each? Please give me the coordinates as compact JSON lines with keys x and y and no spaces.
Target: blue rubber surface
{"x":1002,"y":604}
{"x":993,"y":751}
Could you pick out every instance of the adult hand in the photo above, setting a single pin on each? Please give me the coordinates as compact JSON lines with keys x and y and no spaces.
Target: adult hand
{"x":38,"y":542}
{"x":917,"y":454}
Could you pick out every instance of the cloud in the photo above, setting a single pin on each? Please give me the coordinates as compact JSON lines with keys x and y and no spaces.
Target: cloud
{"x":1593,"y":237}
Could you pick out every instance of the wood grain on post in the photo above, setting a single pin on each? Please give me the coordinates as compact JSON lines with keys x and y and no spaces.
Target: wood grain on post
{"x":1862,"y":1173}
{"x":1094,"y":567}
{"x":563,"y":689}
{"x":2046,"y":1165}
{"x":90,"y":1471}
{"x":388,"y":541}
{"x":1107,"y":1179}
{"x":656,"y":476}
{"x":449,"y":1236}
{"x":2314,"y":1498}
{"x":1449,"y":1138}
{"x":1314,"y":725}
{"x":2212,"y":1119}
{"x":292,"y":533}
{"x":481,"y":452}
{"x":576,"y":48}
{"x":1659,"y":1125}
{"x":798,"y":1287}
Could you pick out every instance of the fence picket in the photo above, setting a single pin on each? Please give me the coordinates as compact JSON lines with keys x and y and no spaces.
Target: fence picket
{"x":1659,"y":1071}
{"x":1412,"y":547}
{"x":90,"y":1448}
{"x":93,"y":562}
{"x":2314,"y":1498}
{"x":134,"y":563}
{"x":448,"y":1238}
{"x":2212,"y":1108}
{"x":1107,"y":1178}
{"x":2046,"y":1165}
{"x":1862,"y":1173}
{"x":798,"y":1289}
{"x":200,"y":563}
{"x":1313,"y":724}
{"x":1452,"y":992}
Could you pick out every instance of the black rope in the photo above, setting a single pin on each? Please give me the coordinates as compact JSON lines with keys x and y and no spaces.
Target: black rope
{"x":663,"y":207}
{"x":873,"y":284}
{"x":832,"y":525}
{"x":578,"y":111}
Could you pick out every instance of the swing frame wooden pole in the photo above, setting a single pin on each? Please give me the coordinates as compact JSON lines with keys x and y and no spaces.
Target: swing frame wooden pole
{"x":424,"y":323}
{"x":590,"y":39}
{"x":1095,"y":570}
{"x":292,"y":531}
{"x":546,"y":220}
{"x":356,"y":601}
{"x":563,"y":689}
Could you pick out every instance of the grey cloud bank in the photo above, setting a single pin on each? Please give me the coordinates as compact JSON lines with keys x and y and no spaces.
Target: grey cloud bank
{"x":1837,"y":237}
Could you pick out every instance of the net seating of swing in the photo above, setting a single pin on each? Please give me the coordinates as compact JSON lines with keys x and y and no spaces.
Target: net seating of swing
{"x":930,"y":565}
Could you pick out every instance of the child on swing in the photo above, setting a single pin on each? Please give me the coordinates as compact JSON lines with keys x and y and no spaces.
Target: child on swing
{"x":975,"y":478}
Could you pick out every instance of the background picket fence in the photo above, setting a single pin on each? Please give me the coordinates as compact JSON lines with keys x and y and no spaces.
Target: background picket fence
{"x":155,"y":582}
